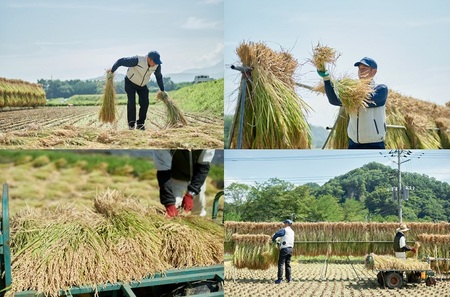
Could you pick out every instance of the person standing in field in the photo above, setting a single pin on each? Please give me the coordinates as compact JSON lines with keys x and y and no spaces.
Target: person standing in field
{"x":286,"y":236}
{"x":138,"y":75}
{"x":181,"y":178}
{"x":400,"y":247}
{"x":367,"y":128}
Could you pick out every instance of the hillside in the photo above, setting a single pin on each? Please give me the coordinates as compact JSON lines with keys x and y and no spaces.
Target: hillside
{"x":202,"y":97}
{"x":363,"y":194}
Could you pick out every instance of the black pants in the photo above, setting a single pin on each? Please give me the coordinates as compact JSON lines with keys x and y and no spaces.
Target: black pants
{"x":285,"y":260}
{"x":364,"y":146}
{"x":131,"y":89}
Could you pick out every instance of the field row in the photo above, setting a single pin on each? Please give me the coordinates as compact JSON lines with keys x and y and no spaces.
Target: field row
{"x":316,"y":279}
{"x":79,"y":127}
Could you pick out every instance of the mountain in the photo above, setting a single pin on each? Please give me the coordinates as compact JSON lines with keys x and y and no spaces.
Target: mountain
{"x":371,"y":186}
{"x":319,"y":136}
{"x":216,"y":71}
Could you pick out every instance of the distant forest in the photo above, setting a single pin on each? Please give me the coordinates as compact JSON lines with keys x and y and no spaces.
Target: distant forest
{"x":362,"y":194}
{"x":67,"y":88}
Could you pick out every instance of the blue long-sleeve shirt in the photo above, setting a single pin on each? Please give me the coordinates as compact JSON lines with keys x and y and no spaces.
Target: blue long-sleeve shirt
{"x":280,"y":233}
{"x":377,"y":99}
{"x":133,"y":61}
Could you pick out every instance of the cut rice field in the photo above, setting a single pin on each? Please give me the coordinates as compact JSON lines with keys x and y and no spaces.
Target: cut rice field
{"x":311,"y":279}
{"x":78,"y":127}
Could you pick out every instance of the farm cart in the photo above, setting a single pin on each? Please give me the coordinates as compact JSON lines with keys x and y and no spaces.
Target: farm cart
{"x":197,"y":281}
{"x":396,"y":278}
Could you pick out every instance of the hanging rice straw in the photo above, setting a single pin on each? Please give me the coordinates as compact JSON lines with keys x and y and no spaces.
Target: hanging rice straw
{"x":174,"y":115}
{"x":107,"y":113}
{"x":273,"y":112}
{"x":254,"y":251}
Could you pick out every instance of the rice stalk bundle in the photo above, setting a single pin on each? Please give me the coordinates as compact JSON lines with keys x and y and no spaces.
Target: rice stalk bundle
{"x":19,"y":93}
{"x":396,"y":137}
{"x":254,"y":252}
{"x":386,"y":262}
{"x":120,"y":240}
{"x":353,"y":93}
{"x":417,"y":130}
{"x":174,"y":115}
{"x":435,"y":245}
{"x":339,"y":139}
{"x":323,"y":55}
{"x":443,"y":124}
{"x":107,"y":113}
{"x":273,"y":112}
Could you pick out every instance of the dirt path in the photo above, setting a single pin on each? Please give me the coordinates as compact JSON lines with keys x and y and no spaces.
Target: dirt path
{"x":78,"y":127}
{"x":310,"y":280}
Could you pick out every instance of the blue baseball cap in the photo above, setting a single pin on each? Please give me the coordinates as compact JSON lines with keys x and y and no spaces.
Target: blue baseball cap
{"x":154,"y":55}
{"x":289,"y":222}
{"x":368,"y":62}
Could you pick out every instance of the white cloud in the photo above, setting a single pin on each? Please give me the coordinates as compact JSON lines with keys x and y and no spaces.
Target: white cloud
{"x":212,"y":57}
{"x":194,"y":23}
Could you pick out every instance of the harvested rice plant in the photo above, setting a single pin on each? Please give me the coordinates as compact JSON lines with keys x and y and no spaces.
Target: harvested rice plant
{"x":341,"y":238}
{"x":274,"y":115}
{"x":174,"y":115}
{"x":254,"y":251}
{"x":107,"y":113}
{"x":19,"y":93}
{"x":118,"y":240}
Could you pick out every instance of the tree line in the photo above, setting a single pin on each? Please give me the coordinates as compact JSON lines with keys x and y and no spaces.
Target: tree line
{"x":362,"y":194}
{"x":67,"y":88}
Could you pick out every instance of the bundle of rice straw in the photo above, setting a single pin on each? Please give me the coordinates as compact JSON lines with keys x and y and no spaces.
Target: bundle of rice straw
{"x":387,"y":262}
{"x":174,"y":115}
{"x":107,"y":113}
{"x":353,"y":93}
{"x":254,"y":251}
{"x":322,"y":55}
{"x":273,"y":112}
{"x":120,"y":240}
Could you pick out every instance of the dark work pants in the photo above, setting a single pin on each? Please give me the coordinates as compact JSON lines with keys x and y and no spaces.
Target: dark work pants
{"x":285,"y":260}
{"x":131,"y":89}
{"x":364,"y":146}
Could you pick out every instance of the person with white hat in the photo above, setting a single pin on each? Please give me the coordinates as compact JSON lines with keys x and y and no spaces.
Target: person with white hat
{"x":286,"y":249}
{"x":400,"y":247}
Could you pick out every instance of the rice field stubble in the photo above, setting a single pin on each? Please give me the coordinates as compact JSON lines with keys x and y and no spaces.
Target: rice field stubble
{"x":309,"y":280}
{"x":78,"y":127}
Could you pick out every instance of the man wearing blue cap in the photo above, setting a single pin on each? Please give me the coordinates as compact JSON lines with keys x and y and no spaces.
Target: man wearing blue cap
{"x":367,"y":128}
{"x":138,"y":75}
{"x":286,"y":249}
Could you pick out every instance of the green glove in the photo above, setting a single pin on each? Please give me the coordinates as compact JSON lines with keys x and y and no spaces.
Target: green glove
{"x":323,"y":73}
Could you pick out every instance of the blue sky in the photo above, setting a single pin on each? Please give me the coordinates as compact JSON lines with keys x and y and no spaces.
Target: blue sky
{"x":409,"y":39}
{"x":319,"y":166}
{"x":80,"y":39}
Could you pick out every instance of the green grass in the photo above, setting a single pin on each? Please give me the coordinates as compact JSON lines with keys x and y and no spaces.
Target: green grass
{"x":202,"y":97}
{"x":90,"y":99}
{"x":80,"y":176}
{"x":87,"y":162}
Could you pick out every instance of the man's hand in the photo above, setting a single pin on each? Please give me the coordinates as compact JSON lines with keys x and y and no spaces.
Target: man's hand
{"x":323,"y":74}
{"x":188,"y":202}
{"x":164,"y":95}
